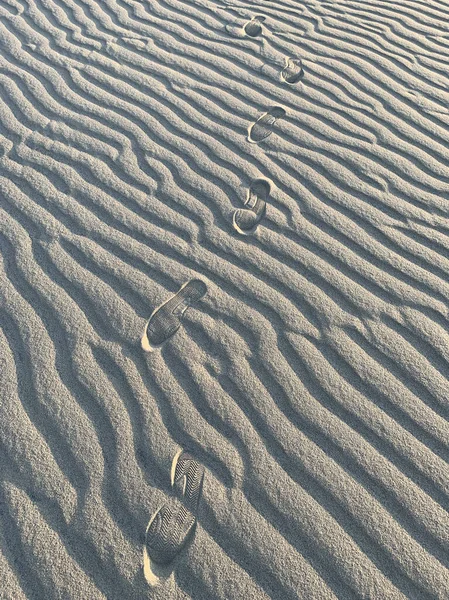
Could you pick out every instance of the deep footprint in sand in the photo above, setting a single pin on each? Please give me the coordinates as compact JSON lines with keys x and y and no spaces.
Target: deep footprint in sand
{"x":166,"y":320}
{"x":172,"y":526}
{"x":245,"y":220}
{"x":254,"y":28}
{"x":264,"y":125}
{"x":187,"y":477}
{"x":293,"y":71}
{"x":168,"y":531}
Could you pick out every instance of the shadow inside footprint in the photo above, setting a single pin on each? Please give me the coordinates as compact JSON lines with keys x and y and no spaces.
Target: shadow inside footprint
{"x":263,"y":127}
{"x":166,"y":320}
{"x":245,"y":220}
{"x":187,"y":477}
{"x":254,"y":28}
{"x":168,"y":531}
{"x":293,"y":71}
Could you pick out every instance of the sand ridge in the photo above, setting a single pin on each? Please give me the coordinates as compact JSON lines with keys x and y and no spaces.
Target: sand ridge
{"x":256,"y":192}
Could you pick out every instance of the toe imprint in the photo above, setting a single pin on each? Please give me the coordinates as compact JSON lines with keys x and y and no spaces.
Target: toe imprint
{"x":187,"y":478}
{"x":259,"y":190}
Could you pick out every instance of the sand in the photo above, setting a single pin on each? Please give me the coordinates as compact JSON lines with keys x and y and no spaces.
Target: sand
{"x":224,"y":229}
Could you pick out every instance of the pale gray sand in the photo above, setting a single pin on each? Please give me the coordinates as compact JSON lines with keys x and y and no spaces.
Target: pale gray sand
{"x":308,"y":377}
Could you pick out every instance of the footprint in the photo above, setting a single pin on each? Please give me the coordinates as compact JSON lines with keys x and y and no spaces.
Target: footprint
{"x":171,"y":526}
{"x":253,"y":28}
{"x":245,"y":220}
{"x":263,"y":127}
{"x":166,"y":320}
{"x":187,"y":477}
{"x":167,"y":533}
{"x":293,"y":70}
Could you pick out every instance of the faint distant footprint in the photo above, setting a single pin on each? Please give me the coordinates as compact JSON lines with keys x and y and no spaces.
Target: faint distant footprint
{"x":187,"y":477}
{"x":254,"y":28}
{"x":166,"y":320}
{"x":293,"y":70}
{"x":245,"y":220}
{"x":263,"y":127}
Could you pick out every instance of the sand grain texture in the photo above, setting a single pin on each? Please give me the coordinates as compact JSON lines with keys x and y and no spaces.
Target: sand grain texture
{"x":291,"y":159}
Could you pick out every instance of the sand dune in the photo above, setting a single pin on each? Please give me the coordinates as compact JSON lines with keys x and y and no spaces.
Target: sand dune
{"x":257,"y":192}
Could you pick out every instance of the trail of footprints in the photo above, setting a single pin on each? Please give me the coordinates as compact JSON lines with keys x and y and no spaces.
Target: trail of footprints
{"x":165,"y":321}
{"x":172,"y":525}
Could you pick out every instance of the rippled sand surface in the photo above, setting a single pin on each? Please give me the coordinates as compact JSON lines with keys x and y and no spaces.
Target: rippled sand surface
{"x":224,"y":230}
